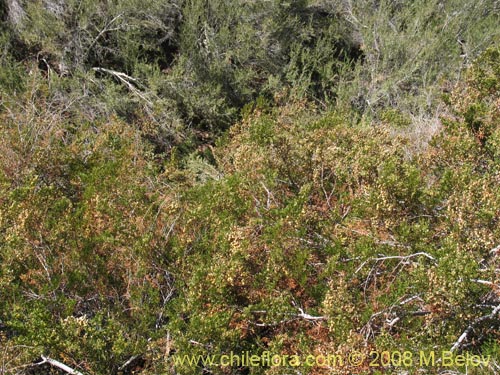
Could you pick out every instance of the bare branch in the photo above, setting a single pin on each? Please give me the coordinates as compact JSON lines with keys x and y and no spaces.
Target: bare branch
{"x":495,"y":250}
{"x":400,"y":257}
{"x":406,"y":257}
{"x":106,"y":29}
{"x":126,"y":80}
{"x":484,"y":282}
{"x":471,"y":327}
{"x":59,"y":365}
{"x":306,"y":316}
{"x":128,"y":362}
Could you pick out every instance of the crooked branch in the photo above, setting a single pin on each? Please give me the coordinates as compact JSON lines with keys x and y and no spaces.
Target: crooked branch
{"x":126,"y":80}
{"x":471,"y":327}
{"x":59,"y":365}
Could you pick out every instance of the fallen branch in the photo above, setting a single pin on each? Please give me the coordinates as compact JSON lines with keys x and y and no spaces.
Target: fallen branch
{"x":305,"y":316}
{"x":400,"y":257}
{"x":471,"y":327}
{"x":103,"y":31}
{"x":273,"y":324}
{"x":126,"y":80}
{"x":406,"y":257}
{"x":128,"y":362}
{"x":294,"y":317}
{"x":495,"y":250}
{"x":59,"y":365}
{"x":484,"y":282}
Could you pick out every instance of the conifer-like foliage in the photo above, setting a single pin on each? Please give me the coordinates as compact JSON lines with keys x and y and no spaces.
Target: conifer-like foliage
{"x":186,"y":177}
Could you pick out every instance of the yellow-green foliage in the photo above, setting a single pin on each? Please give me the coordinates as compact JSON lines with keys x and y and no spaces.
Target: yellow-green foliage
{"x":132,"y":229}
{"x":76,"y":226}
{"x":317,"y":215}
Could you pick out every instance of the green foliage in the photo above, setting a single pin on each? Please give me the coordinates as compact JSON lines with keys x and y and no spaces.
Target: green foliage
{"x":12,"y":78}
{"x":342,"y":226}
{"x":411,"y":46}
{"x":73,"y":35}
{"x":187,"y":177}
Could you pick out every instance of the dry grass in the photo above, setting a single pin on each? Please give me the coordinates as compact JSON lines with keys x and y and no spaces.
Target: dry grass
{"x":420,"y":132}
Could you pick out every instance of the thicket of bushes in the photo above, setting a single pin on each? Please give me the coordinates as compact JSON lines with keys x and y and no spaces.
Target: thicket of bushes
{"x":188,"y":177}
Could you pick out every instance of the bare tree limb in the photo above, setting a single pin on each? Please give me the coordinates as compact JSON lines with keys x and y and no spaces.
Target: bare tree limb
{"x":484,"y":282}
{"x":306,"y":316}
{"x":126,"y":80}
{"x":406,"y":257}
{"x":128,"y":362}
{"x":59,"y":365}
{"x":400,"y":257}
{"x":106,"y":29}
{"x":471,"y":327}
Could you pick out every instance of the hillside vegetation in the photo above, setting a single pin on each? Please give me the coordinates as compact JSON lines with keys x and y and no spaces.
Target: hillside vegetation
{"x":188,"y":177}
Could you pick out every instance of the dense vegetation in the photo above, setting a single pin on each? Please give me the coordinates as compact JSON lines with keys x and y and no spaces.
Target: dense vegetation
{"x":200,"y":177}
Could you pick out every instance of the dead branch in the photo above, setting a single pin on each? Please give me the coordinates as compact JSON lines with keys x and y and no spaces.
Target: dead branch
{"x":306,"y":316}
{"x":471,"y":327}
{"x":106,"y":29}
{"x":300,"y":315}
{"x":484,"y":282}
{"x":59,"y":365}
{"x":495,"y":250}
{"x":403,"y":258}
{"x":126,"y":80}
{"x":128,"y":362}
{"x":406,"y":257}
